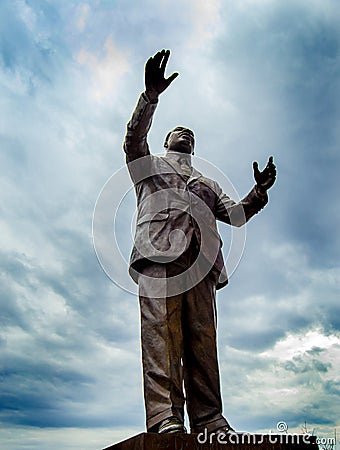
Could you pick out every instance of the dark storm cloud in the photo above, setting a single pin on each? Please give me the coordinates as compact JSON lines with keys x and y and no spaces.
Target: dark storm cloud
{"x":295,"y":59}
{"x":50,"y":372}
{"x":281,"y":70}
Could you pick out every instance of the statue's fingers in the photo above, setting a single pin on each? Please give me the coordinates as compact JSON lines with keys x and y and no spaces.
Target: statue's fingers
{"x":149,"y":62}
{"x":158,"y":58}
{"x":165,"y":59}
{"x":270,"y":168}
{"x":256,"y":168}
{"x":271,"y":163}
{"x":172,"y":77}
{"x":151,"y":66}
{"x":272,"y":171}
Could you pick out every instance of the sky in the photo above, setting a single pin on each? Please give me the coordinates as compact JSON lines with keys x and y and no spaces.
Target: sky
{"x":257,"y":78}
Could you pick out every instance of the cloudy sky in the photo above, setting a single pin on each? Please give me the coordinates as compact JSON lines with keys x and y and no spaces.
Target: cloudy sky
{"x":257,"y":78}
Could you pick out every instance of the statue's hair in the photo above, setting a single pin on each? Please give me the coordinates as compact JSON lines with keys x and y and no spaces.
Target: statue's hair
{"x":166,"y":139}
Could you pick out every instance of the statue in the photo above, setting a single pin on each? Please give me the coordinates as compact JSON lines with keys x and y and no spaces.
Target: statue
{"x":178,"y":265}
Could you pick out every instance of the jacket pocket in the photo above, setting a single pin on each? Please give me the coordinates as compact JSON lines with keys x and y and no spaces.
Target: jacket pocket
{"x":152,"y":217}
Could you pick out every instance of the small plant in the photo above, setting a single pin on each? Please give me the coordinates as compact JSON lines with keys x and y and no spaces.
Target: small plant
{"x":323,"y":443}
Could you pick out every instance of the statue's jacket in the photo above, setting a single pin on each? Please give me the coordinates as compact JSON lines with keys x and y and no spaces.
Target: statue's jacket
{"x":173,"y":208}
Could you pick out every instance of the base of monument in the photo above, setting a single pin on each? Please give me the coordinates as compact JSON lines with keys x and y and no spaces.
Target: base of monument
{"x":233,"y":441}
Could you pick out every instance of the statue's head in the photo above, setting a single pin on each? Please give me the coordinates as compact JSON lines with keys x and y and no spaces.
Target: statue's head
{"x":180,"y":139}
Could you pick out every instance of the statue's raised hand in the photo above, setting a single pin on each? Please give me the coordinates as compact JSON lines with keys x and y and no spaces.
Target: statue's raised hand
{"x":266,"y":178}
{"x":155,"y":81}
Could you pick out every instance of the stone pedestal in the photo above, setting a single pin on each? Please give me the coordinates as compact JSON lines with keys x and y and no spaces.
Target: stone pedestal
{"x":234,"y":441}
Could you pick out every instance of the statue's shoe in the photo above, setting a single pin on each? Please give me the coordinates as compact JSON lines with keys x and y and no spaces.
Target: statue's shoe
{"x":171,"y":425}
{"x":224,"y":430}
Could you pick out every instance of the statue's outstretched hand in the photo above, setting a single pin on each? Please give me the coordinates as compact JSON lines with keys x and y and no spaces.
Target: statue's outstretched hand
{"x":266,"y":178}
{"x":155,"y":81}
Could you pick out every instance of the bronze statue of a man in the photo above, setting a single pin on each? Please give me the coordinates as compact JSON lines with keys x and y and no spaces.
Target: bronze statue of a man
{"x":178,"y":265}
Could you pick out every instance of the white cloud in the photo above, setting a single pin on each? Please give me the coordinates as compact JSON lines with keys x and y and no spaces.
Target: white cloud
{"x":206,"y":20}
{"x":293,"y":381}
{"x":83,"y":16}
{"x":27,"y":14}
{"x":107,"y":71}
{"x":298,"y":344}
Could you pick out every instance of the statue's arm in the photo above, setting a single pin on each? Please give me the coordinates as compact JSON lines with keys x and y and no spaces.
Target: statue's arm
{"x":135,"y":143}
{"x":238,"y":213}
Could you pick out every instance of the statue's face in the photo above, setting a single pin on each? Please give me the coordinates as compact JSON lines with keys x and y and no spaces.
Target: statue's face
{"x":181,"y":139}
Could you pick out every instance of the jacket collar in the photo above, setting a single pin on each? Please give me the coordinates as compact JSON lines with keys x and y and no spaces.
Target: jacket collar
{"x":173,"y":159}
{"x":178,"y":157}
